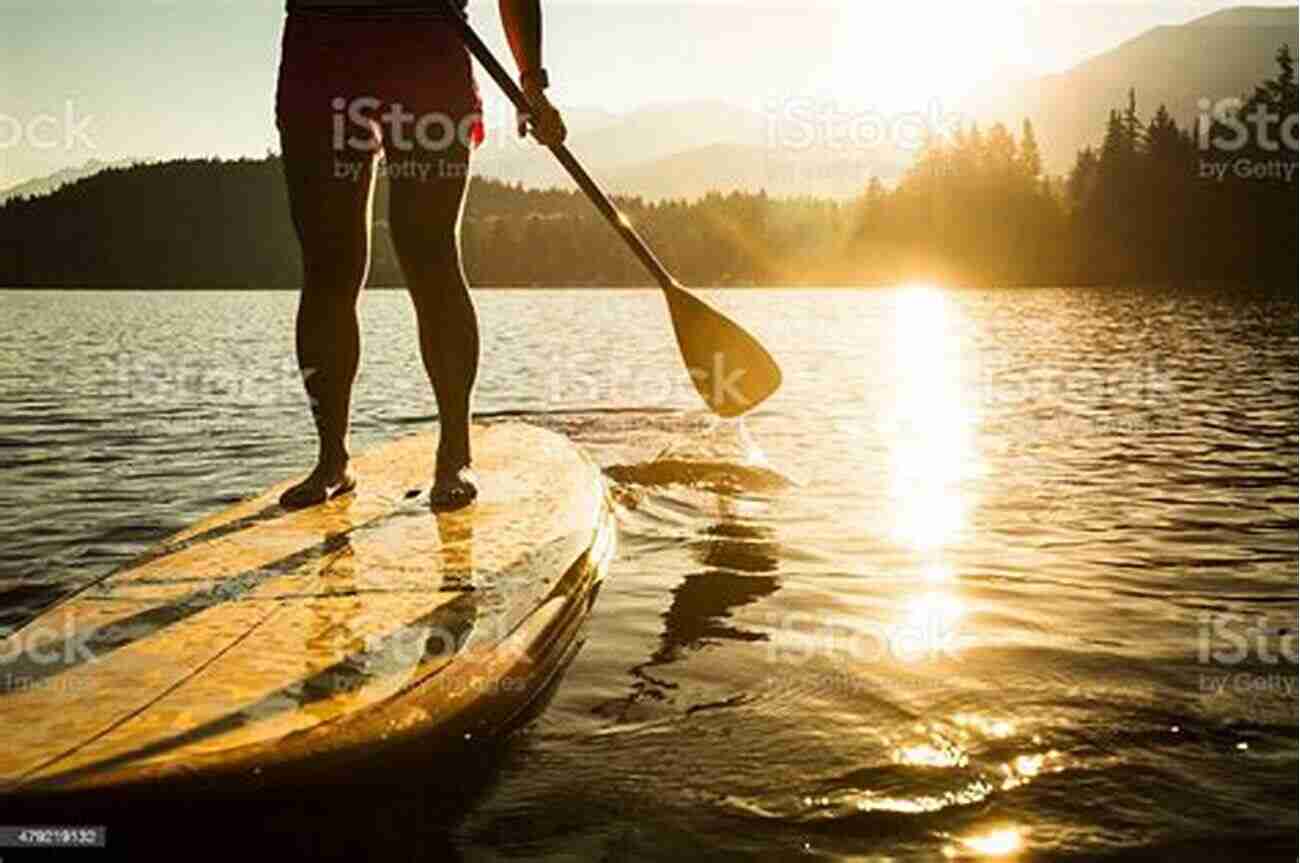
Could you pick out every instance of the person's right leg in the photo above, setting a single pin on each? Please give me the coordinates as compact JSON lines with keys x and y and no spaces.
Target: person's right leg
{"x":426,"y":199}
{"x":330,"y":195}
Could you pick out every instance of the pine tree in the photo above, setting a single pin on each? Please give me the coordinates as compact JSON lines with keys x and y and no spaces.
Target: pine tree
{"x":1278,"y":94}
{"x":1286,"y":83}
{"x":1031,"y":159}
{"x":1132,"y":125}
{"x":1163,"y":139}
{"x":1114,"y":147}
{"x":1082,"y":178}
{"x":1001,"y":151}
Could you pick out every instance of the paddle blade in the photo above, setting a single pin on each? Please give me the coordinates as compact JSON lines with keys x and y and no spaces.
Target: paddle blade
{"x":731,"y":370}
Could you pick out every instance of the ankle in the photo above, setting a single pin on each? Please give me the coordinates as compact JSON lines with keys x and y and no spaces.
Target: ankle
{"x":333,"y":461}
{"x":450,"y":464}
{"x":453,"y":452}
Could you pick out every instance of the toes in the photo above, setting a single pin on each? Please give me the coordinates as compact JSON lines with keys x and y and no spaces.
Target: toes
{"x":312,"y":492}
{"x":454,"y":494}
{"x":303,"y":495}
{"x":452,"y":499}
{"x":346,"y":486}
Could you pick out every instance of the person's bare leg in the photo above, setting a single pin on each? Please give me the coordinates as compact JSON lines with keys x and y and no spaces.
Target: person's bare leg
{"x":330,"y":198}
{"x":425,"y":214}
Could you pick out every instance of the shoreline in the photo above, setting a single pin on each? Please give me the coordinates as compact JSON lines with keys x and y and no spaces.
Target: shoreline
{"x":1192,"y":287}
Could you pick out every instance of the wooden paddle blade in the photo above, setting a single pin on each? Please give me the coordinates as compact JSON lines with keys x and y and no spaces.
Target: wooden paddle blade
{"x":731,"y":370}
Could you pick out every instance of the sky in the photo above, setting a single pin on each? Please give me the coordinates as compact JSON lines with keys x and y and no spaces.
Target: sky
{"x":156,"y":79}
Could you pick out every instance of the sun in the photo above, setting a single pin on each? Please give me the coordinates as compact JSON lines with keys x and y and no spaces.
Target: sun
{"x":903,"y":56}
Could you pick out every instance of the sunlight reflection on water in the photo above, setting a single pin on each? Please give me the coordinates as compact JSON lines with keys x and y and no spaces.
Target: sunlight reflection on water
{"x":1001,"y":842}
{"x":974,"y":614}
{"x":930,"y":424}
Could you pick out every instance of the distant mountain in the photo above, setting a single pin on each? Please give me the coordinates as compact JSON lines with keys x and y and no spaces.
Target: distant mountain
{"x":730,"y":167}
{"x":1221,"y":55}
{"x":686,"y":150}
{"x":643,"y":136}
{"x":1282,"y":17}
{"x":48,"y":184}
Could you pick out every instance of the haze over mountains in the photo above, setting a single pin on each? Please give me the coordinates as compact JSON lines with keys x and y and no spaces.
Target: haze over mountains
{"x":684,"y":150}
{"x":1219,"y":56}
{"x":687,"y":149}
{"x":52,"y":182}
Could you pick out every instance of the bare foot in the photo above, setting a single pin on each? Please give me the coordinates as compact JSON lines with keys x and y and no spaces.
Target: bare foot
{"x":325,"y":483}
{"x":454,"y":492}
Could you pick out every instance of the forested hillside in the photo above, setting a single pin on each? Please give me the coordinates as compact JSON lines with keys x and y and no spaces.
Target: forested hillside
{"x":1154,"y":202}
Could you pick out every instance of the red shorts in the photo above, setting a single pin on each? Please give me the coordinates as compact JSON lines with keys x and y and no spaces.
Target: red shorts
{"x":377,"y":81}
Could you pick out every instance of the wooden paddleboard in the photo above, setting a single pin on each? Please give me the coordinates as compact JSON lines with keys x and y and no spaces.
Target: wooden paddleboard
{"x":263,"y":646}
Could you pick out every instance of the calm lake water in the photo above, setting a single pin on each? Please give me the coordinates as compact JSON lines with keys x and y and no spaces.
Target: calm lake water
{"x":1032,"y":589}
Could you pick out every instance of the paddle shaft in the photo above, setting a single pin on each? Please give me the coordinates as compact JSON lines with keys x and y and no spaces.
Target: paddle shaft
{"x":570,"y":162}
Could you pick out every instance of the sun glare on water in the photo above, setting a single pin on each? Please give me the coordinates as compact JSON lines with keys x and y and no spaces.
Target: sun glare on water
{"x":931,"y":453}
{"x":931,"y":450}
{"x":1000,"y":843}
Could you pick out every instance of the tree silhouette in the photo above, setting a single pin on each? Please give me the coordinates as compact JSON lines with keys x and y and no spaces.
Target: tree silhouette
{"x":1152,"y":203}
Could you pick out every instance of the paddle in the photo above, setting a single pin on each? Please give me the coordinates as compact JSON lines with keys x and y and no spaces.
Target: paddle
{"x":731,"y":370}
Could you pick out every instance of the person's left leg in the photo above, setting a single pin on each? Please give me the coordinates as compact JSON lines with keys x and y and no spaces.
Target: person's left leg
{"x":426,"y":200}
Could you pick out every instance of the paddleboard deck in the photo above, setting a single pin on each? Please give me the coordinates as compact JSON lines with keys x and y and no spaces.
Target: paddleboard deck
{"x":263,"y":646}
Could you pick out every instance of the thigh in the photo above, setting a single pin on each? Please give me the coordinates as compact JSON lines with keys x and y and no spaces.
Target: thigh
{"x":329,"y":173}
{"x":429,"y":82}
{"x":425,"y":201}
{"x":329,"y":199}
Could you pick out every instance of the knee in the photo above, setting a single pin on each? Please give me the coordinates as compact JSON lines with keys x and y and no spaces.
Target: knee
{"x":326,"y":324}
{"x":335,"y":253}
{"x":337,"y":271}
{"x":431,"y":256}
{"x":425,"y":231}
{"x":330,"y":291}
